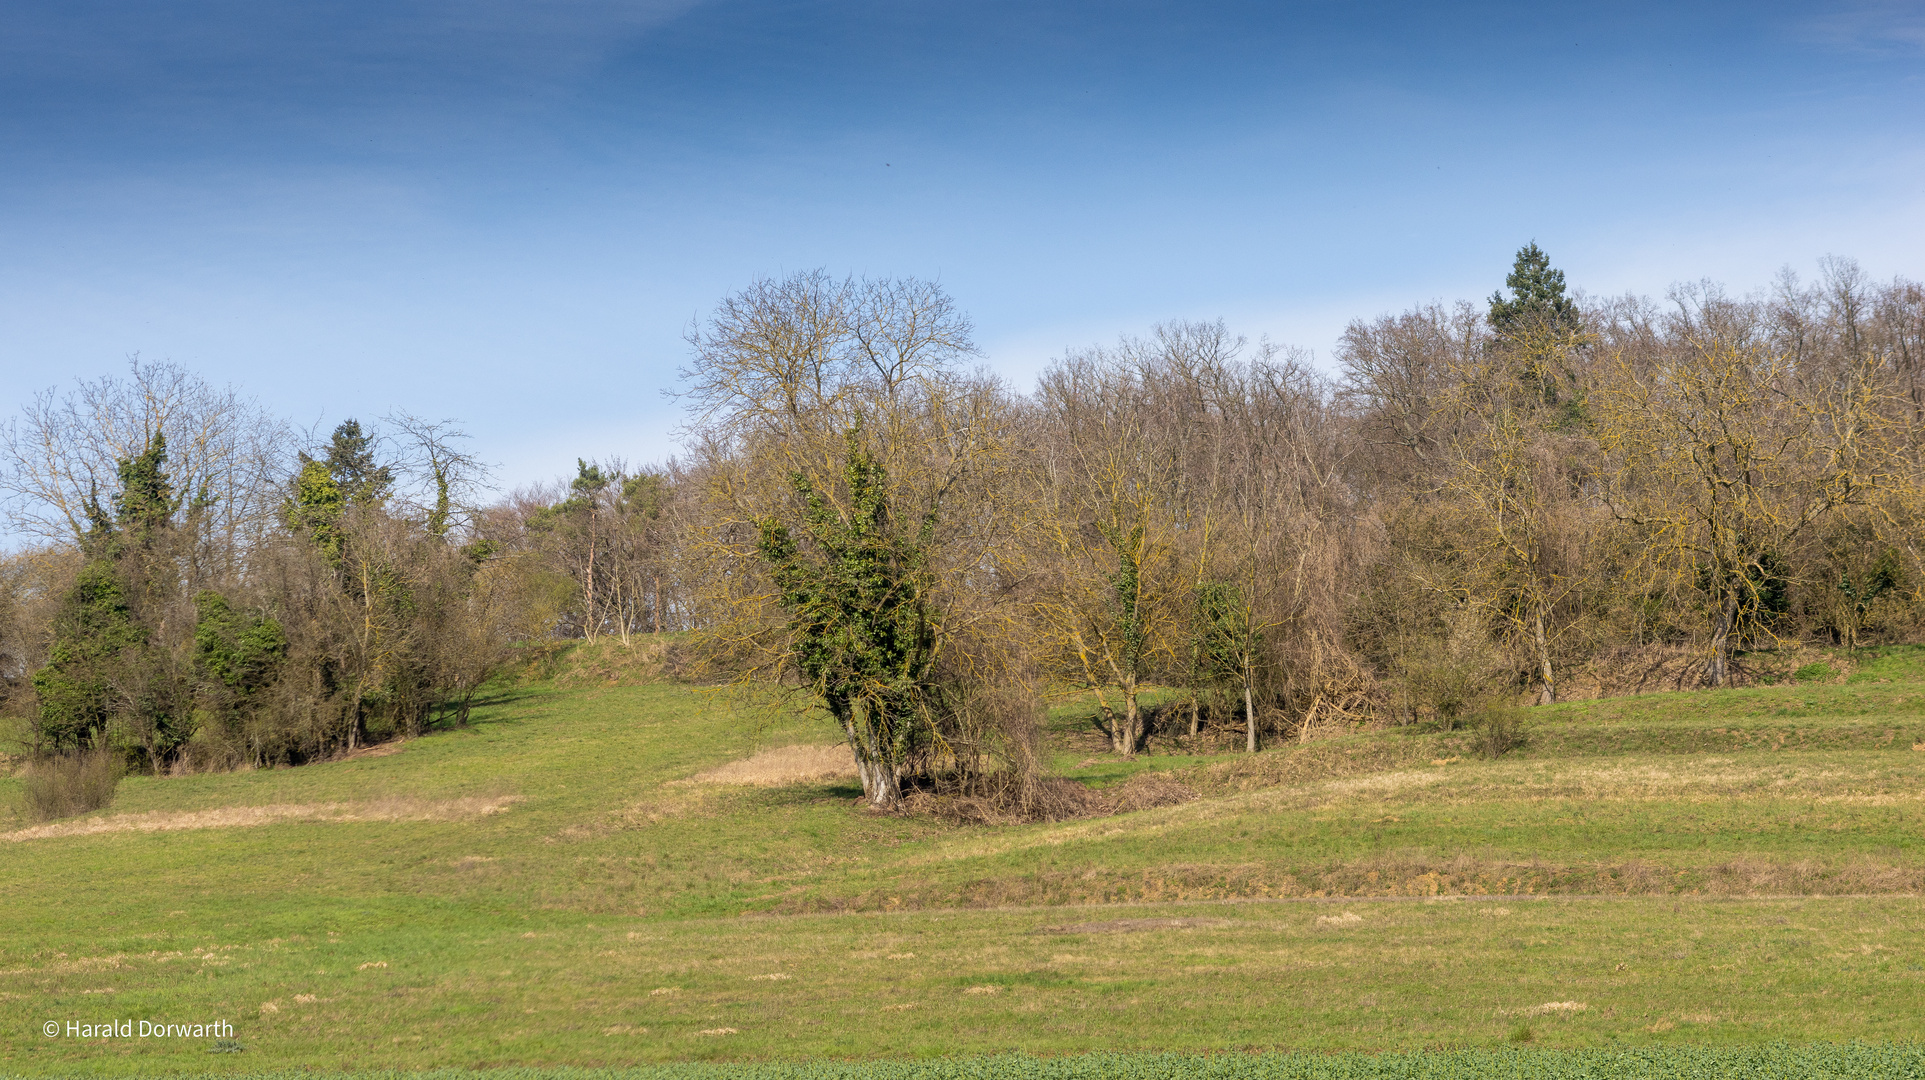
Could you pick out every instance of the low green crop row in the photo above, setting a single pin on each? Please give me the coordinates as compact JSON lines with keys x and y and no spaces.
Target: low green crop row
{"x":1821,"y":1062}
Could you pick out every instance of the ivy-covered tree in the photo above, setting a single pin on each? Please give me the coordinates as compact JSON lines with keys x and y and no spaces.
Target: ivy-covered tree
{"x":103,"y":665}
{"x":237,"y":656}
{"x":91,"y":629}
{"x":316,"y":508}
{"x":856,"y":586}
{"x":1224,"y":646}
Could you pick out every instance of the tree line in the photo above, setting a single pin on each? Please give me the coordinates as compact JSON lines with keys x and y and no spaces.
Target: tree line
{"x":1530,"y":498}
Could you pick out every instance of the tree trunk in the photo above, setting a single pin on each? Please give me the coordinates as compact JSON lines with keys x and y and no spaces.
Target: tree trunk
{"x":1549,"y":696}
{"x":1107,"y":715}
{"x":1716,"y":671}
{"x":1129,"y":734}
{"x":1309,"y":718}
{"x":880,"y":784}
{"x":588,"y":586}
{"x":1249,"y":711}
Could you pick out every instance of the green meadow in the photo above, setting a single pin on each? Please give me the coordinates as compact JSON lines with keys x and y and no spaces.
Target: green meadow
{"x":553,"y":886}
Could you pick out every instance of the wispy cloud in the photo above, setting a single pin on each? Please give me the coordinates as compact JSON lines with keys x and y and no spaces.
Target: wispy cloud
{"x":319,"y":51}
{"x":1892,"y":26}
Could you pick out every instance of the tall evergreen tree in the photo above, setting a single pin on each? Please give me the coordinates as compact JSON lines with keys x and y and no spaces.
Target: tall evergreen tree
{"x":1537,"y":327}
{"x":1537,"y":297}
{"x":352,"y":462}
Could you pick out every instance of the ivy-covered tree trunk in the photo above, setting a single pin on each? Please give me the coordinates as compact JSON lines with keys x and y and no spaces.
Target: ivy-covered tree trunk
{"x":859,"y":617}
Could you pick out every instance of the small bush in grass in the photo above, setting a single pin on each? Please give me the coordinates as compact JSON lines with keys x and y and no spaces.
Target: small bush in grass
{"x":1522,"y":1033}
{"x":1501,"y":732}
{"x":68,"y":784}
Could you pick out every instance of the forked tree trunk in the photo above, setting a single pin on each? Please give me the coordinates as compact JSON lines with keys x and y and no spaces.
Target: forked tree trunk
{"x":1717,"y":669}
{"x":880,"y":783}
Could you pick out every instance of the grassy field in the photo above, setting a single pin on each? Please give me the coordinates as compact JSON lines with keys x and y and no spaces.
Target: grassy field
{"x":547,"y":888}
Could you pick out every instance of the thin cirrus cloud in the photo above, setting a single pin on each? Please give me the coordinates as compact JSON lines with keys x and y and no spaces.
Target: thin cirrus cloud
{"x":510,"y":211}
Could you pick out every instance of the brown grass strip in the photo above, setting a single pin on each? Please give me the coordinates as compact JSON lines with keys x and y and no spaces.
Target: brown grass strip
{"x":783,"y":765}
{"x":235,"y":817}
{"x":1388,"y":877}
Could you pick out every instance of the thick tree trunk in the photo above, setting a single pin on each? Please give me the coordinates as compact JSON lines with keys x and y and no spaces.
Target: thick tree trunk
{"x":880,"y":784}
{"x":1128,"y":735}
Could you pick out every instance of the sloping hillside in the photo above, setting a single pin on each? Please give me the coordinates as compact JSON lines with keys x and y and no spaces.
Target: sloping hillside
{"x":579,"y":878}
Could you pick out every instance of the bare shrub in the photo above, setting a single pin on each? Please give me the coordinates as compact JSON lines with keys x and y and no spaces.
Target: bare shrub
{"x":1146,"y":791}
{"x":67,"y":785}
{"x":1501,"y":732}
{"x":1459,"y":674}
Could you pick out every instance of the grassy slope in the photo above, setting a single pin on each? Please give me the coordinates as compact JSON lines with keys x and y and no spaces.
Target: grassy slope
{"x":1655,"y":825}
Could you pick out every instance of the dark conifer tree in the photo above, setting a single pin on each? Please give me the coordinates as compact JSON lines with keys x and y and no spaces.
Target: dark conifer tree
{"x":1537,"y":296}
{"x":351,"y":461}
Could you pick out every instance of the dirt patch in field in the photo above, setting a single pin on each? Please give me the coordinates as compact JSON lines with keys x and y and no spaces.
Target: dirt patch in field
{"x":377,"y":750}
{"x":783,"y":765}
{"x":234,"y":817}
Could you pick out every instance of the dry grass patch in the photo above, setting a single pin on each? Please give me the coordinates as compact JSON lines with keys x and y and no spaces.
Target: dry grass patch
{"x":1131,"y":926}
{"x":1395,"y":874}
{"x":237,"y":817}
{"x":783,"y":765}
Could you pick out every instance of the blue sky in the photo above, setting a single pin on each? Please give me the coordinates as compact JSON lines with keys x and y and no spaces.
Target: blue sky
{"x":509,"y":211}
